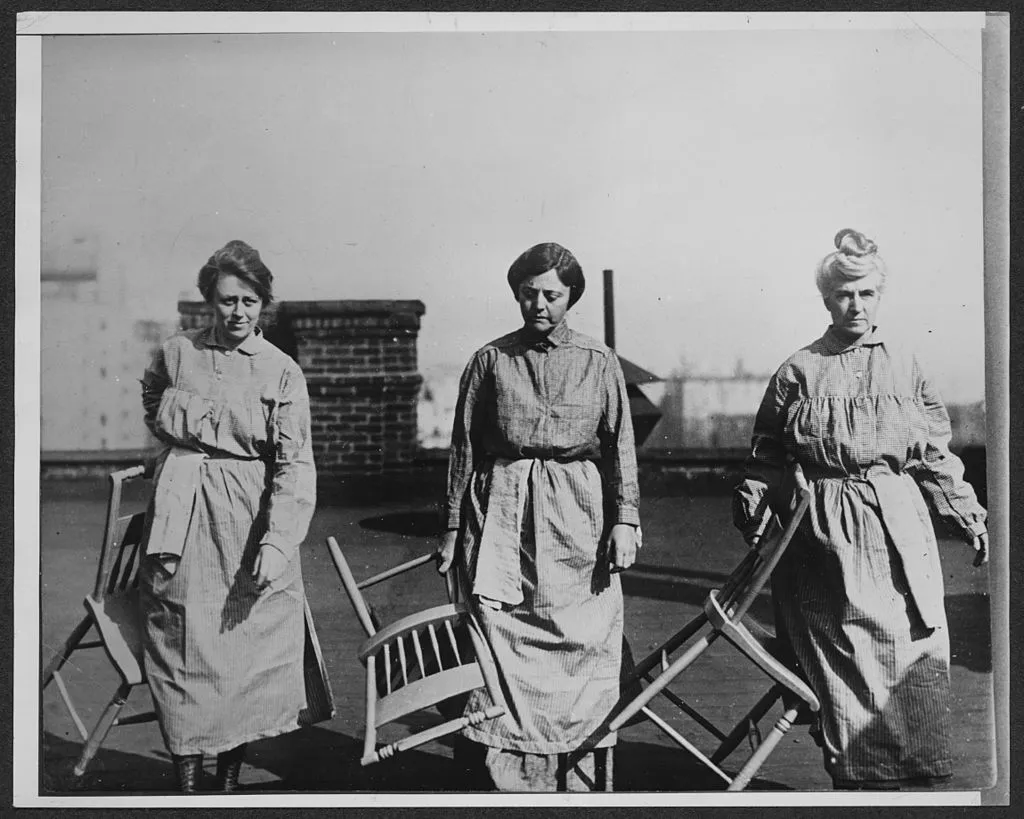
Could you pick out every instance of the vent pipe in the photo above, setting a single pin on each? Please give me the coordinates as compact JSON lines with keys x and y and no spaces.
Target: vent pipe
{"x":609,"y":310}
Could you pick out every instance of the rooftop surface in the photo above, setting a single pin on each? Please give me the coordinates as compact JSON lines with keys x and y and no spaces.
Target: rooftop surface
{"x":689,"y":547}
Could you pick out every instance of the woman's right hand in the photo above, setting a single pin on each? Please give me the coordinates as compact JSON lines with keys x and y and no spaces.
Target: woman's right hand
{"x":980,"y":544}
{"x":446,"y":551}
{"x":754,"y":531}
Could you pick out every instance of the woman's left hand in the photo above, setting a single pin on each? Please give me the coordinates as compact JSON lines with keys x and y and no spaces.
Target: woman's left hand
{"x":270,"y":565}
{"x":622,"y":547}
{"x":980,"y":545}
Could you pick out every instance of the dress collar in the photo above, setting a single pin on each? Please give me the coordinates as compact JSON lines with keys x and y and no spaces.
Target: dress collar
{"x":834,"y":344}
{"x":251,"y":346}
{"x":558,"y":336}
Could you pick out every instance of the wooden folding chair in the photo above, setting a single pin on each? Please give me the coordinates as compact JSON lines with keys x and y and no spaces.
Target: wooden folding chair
{"x":725,"y":615}
{"x":418,"y":662}
{"x":112,"y":610}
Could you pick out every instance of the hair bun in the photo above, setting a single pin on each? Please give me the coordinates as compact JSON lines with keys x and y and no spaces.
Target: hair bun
{"x":854,"y":243}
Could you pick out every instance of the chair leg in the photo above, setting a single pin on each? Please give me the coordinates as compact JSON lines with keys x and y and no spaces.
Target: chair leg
{"x":99,"y":733}
{"x":742,"y":779}
{"x":684,"y":743}
{"x":755,"y":715}
{"x":65,"y":696}
{"x":370,"y":739}
{"x":662,"y":680}
{"x":62,"y":656}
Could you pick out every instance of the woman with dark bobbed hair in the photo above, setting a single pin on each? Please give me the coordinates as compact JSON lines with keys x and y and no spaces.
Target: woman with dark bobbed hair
{"x":541,"y":513}
{"x":235,"y":488}
{"x":859,"y":592}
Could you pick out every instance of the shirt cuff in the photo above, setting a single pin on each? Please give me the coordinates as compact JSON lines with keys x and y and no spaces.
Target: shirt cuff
{"x":627,"y":514}
{"x":277,"y":545}
{"x":451,"y":520}
{"x":976,"y":529}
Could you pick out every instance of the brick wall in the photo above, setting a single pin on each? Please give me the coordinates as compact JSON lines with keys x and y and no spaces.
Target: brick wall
{"x":360,"y":363}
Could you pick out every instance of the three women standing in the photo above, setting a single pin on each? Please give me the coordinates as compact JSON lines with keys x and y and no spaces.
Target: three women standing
{"x":235,"y":488}
{"x":859,"y":593}
{"x":541,"y":513}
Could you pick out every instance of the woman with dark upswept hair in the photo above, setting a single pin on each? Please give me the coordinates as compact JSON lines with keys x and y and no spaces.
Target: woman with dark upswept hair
{"x":859,"y":592}
{"x":541,"y":514}
{"x":235,"y":487}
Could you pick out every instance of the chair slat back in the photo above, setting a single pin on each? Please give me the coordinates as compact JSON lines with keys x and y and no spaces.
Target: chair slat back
{"x":121,"y":550}
{"x":127,"y":554}
{"x":741,"y":575}
{"x":419,"y":653}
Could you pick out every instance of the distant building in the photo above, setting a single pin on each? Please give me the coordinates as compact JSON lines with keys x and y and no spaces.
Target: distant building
{"x":708,"y":411}
{"x":717,"y":412}
{"x":436,"y":407}
{"x":92,"y":355}
{"x":94,"y":351}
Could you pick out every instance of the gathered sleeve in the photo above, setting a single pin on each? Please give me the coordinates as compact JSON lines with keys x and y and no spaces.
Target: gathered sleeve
{"x":940,"y":474}
{"x":618,"y":448}
{"x":764,"y":466}
{"x":154,"y":381}
{"x":293,"y":487}
{"x":466,"y":439}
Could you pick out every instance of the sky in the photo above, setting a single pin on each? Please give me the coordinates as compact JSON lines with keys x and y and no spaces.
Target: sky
{"x":709,"y":169}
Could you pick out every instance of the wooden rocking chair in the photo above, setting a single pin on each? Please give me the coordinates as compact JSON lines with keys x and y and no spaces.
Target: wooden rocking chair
{"x":418,"y":662}
{"x":724,"y":615}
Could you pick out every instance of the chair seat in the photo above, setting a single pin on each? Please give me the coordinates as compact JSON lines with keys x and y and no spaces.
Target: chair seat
{"x":433,"y":689}
{"x":757,"y":651}
{"x":319,"y":696}
{"x":782,"y":653}
{"x":120,"y":625}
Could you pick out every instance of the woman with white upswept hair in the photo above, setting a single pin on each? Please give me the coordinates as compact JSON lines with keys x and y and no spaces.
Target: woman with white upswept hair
{"x":859,"y":593}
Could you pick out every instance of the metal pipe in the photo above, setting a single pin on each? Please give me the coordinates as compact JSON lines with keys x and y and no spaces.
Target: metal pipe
{"x":609,"y":310}
{"x":998,"y":212}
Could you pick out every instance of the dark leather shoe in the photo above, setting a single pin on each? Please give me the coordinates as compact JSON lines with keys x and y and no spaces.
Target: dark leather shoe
{"x":229,"y":765}
{"x":189,"y":769}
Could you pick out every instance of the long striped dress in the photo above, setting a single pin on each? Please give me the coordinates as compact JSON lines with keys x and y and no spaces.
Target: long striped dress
{"x":859,"y":593}
{"x":542,"y":464}
{"x":224,"y":661}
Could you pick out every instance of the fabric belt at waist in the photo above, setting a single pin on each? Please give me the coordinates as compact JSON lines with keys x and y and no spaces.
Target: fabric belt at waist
{"x":813,"y":473}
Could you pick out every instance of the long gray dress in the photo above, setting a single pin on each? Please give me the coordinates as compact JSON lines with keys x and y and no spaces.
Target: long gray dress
{"x":224,"y":661}
{"x":542,"y":464}
{"x":859,"y":593}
